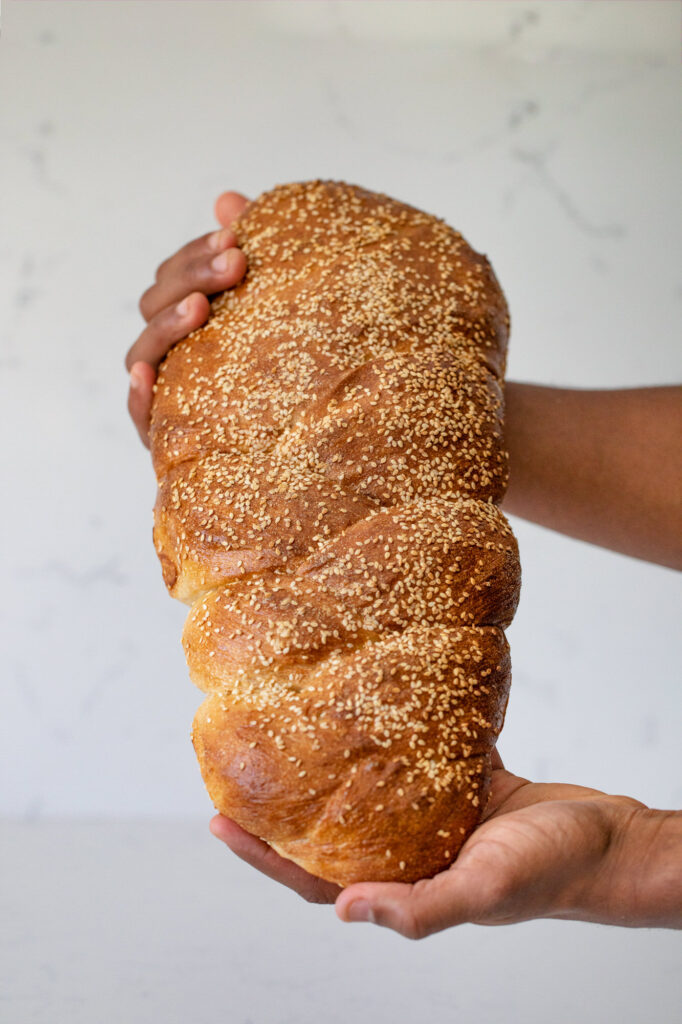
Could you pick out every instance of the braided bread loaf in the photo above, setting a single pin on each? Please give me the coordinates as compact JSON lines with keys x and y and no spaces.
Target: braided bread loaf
{"x":330,"y":456}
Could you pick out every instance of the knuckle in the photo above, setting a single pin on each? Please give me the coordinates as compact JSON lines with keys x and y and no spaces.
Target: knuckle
{"x":161,"y":325}
{"x":160,"y":270}
{"x":313,"y":897}
{"x":196,"y":274}
{"x":412,"y":925}
{"x":406,"y":920}
{"x":144,"y":305}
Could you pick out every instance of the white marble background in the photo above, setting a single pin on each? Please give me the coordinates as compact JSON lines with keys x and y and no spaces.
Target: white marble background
{"x":549,"y":133}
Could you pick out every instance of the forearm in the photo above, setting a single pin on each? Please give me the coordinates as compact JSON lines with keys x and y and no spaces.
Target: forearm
{"x":602,"y":466}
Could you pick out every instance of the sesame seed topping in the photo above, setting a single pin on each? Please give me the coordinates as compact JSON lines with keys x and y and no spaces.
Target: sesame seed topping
{"x":330,"y":456}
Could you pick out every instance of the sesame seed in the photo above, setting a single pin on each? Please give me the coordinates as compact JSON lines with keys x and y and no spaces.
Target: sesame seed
{"x":330,"y":456}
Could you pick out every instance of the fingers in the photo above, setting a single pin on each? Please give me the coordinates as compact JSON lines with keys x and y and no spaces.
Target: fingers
{"x":209,"y":265}
{"x":142,"y":377}
{"x":211,"y":243}
{"x":525,"y":794}
{"x":229,"y":206}
{"x":166,"y":328}
{"x":266,"y":860}
{"x":162,"y":332}
{"x":504,"y":786}
{"x":177,"y":303}
{"x":414,"y":911}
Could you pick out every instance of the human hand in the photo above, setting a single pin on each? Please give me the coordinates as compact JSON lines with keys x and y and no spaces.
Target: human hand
{"x":539,"y":853}
{"x":543,"y":850}
{"x":177,"y":302}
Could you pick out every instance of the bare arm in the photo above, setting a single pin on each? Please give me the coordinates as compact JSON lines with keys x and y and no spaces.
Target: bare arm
{"x":602,"y":466}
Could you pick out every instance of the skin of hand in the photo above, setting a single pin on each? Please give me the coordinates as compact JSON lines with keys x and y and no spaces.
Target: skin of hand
{"x":177,"y":302}
{"x":542,"y":850}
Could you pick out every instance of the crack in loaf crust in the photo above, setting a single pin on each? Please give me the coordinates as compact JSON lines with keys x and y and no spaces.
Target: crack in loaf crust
{"x":330,"y":457}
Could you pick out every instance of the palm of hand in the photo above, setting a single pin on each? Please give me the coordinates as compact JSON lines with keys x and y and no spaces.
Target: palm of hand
{"x":535,"y":852}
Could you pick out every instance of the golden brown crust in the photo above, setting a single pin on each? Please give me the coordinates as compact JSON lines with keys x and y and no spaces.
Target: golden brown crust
{"x":329,"y":451}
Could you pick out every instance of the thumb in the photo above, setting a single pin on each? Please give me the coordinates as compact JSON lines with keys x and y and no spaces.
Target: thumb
{"x":414,"y":911}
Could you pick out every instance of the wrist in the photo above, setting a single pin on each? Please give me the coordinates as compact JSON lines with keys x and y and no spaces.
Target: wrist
{"x":648,"y":870}
{"x":636,"y":879}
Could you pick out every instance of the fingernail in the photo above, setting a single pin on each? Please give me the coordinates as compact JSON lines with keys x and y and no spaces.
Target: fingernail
{"x":182,"y":308}
{"x":135,"y":378}
{"x":222,"y":262}
{"x":360,"y":910}
{"x":219,"y":240}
